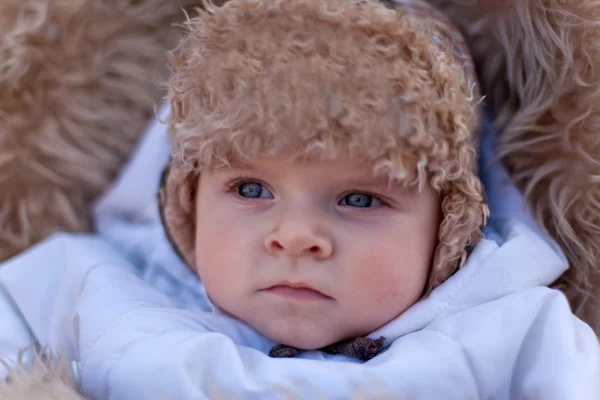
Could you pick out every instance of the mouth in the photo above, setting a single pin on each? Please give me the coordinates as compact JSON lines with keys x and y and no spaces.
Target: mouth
{"x":297,"y":291}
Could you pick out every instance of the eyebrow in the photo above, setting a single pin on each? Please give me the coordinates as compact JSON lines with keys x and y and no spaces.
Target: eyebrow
{"x":240,"y":164}
{"x":378,"y":182}
{"x":367,"y":181}
{"x":237,"y":164}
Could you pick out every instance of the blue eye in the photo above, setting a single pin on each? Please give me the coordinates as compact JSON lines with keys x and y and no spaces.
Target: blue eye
{"x":360,"y":200}
{"x":253,"y":190}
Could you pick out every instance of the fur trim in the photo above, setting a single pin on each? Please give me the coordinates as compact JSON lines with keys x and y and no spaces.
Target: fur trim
{"x":44,"y":378}
{"x":539,"y":65}
{"x":78,"y":82}
{"x":390,"y":87}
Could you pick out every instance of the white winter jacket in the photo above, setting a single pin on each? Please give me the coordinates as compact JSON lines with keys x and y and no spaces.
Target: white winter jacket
{"x":141,"y":327}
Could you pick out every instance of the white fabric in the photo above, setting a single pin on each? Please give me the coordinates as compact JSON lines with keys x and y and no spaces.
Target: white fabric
{"x":141,"y":326}
{"x":14,"y":334}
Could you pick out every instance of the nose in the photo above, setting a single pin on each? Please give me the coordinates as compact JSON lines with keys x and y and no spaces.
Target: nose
{"x":299,"y":237}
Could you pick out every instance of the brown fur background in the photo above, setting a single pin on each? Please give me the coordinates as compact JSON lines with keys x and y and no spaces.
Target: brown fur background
{"x":77,"y":86}
{"x":539,"y":63}
{"x":78,"y":82}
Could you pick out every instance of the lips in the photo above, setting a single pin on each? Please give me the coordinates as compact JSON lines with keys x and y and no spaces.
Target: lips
{"x":297,"y":291}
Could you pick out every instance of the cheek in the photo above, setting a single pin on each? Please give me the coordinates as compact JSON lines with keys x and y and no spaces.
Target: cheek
{"x":376,"y":279}
{"x":391,"y":277}
{"x":216,"y":239}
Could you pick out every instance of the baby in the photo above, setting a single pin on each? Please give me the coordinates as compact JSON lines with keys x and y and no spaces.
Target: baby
{"x":323,"y":177}
{"x":323,"y":187}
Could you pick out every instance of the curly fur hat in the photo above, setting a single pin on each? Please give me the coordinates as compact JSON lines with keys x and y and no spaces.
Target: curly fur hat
{"x":392,"y":85}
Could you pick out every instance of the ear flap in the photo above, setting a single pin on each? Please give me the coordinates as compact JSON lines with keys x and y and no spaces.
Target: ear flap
{"x":465,"y":213}
{"x":177,"y":211}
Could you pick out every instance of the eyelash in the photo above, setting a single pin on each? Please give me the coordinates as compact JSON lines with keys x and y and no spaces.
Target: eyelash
{"x":233,"y":185}
{"x":375,"y":196}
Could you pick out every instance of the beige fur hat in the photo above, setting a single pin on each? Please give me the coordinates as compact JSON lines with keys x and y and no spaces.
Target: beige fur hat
{"x":389,"y":84}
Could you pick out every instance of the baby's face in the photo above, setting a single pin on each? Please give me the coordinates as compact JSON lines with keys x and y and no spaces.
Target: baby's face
{"x":310,"y":253}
